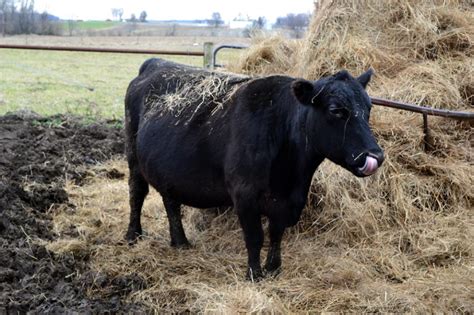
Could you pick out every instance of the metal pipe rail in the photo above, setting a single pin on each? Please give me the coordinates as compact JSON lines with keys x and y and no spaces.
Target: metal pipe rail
{"x":423,"y":110}
{"x":216,"y":50}
{"x":106,"y":50}
{"x":375,"y":100}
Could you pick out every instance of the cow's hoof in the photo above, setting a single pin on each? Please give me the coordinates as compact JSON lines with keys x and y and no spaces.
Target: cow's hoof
{"x":181,"y":244}
{"x":273,"y":272}
{"x":133,"y":235}
{"x":254,"y":274}
{"x":273,"y":268}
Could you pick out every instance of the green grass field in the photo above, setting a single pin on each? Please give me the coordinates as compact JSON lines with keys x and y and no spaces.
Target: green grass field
{"x":86,"y":84}
{"x":92,"y":25}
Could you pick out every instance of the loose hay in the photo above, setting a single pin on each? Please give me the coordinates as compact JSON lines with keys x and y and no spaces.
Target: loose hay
{"x":395,"y":37}
{"x":405,"y":246}
{"x":399,"y":241}
{"x":190,"y":91}
{"x":268,"y":56}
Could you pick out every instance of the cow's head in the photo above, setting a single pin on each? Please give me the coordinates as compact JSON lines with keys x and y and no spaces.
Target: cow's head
{"x":338,"y":121}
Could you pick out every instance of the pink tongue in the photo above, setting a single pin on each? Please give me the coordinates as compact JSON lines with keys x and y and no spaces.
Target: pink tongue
{"x":370,"y":166}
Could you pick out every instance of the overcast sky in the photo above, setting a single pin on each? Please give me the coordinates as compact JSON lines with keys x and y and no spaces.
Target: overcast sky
{"x":173,"y":9}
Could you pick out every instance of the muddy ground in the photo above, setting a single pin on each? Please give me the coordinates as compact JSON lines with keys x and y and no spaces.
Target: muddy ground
{"x":37,"y":155}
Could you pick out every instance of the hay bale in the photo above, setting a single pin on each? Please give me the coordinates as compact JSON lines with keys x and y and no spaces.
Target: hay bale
{"x":268,"y":56}
{"x":426,"y":83}
{"x":398,"y":38}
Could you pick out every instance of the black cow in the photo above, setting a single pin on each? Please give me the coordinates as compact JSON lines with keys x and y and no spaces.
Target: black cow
{"x":208,"y":139}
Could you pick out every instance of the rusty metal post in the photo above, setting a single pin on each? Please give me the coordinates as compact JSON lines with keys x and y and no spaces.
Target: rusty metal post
{"x":208,"y":56}
{"x":428,"y":146}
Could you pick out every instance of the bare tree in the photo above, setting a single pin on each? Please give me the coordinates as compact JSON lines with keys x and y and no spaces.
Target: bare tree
{"x":256,"y":27}
{"x":4,"y":5}
{"x":24,"y":19}
{"x":26,"y":16}
{"x":259,"y":23}
{"x":114,"y":13}
{"x":143,"y":16}
{"x":215,"y":20}
{"x":172,"y":30}
{"x":117,"y":13}
{"x":9,"y":16}
{"x":120,"y":14}
{"x":132,"y":26}
{"x":71,"y":25}
{"x":295,"y":22}
{"x":45,"y":27}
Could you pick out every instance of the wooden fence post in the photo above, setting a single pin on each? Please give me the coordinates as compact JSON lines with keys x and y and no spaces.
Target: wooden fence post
{"x":208,"y":58}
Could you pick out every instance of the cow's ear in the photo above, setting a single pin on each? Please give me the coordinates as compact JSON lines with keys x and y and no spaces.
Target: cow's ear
{"x":364,"y":78}
{"x":303,"y":90}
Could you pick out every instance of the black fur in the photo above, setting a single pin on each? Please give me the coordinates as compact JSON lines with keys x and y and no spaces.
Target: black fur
{"x":255,"y":150}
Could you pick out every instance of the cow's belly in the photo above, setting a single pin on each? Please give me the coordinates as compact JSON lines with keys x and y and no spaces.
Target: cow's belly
{"x":198,"y":197}
{"x":182,"y":168}
{"x":195,"y":189}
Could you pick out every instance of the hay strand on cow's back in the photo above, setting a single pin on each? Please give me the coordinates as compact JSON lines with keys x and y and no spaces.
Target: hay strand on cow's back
{"x":187,"y":92}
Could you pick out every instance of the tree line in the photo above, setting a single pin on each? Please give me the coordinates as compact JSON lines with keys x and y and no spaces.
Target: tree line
{"x":117,"y":13}
{"x":20,"y":17}
{"x":290,"y":21}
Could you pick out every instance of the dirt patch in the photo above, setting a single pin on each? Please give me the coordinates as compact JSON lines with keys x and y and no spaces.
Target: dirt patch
{"x":37,"y":156}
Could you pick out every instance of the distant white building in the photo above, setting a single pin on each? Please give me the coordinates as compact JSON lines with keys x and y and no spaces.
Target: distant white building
{"x":241,"y":21}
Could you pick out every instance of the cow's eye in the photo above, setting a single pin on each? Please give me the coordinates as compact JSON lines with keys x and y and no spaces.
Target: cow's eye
{"x":337,"y":111}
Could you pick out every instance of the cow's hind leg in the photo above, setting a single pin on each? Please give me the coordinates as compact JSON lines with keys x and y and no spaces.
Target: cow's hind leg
{"x":250,"y":220}
{"x":138,"y":190}
{"x":273,"y":263}
{"x":173,"y":211}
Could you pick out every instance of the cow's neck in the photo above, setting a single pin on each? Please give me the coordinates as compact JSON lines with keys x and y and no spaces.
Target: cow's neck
{"x":304,"y":143}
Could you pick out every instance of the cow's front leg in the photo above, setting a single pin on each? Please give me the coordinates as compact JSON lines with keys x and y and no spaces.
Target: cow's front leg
{"x":273,"y":263}
{"x":249,"y":217}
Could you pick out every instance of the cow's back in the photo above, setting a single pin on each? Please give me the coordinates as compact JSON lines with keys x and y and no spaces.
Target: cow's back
{"x":177,"y":119}
{"x":184,"y":96}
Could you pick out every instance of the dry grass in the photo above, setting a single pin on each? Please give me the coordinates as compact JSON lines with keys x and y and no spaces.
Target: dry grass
{"x":192,"y":89}
{"x":268,"y":56}
{"x":426,"y":47}
{"x":399,"y":241}
{"x":427,"y":83}
{"x":349,"y":253}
